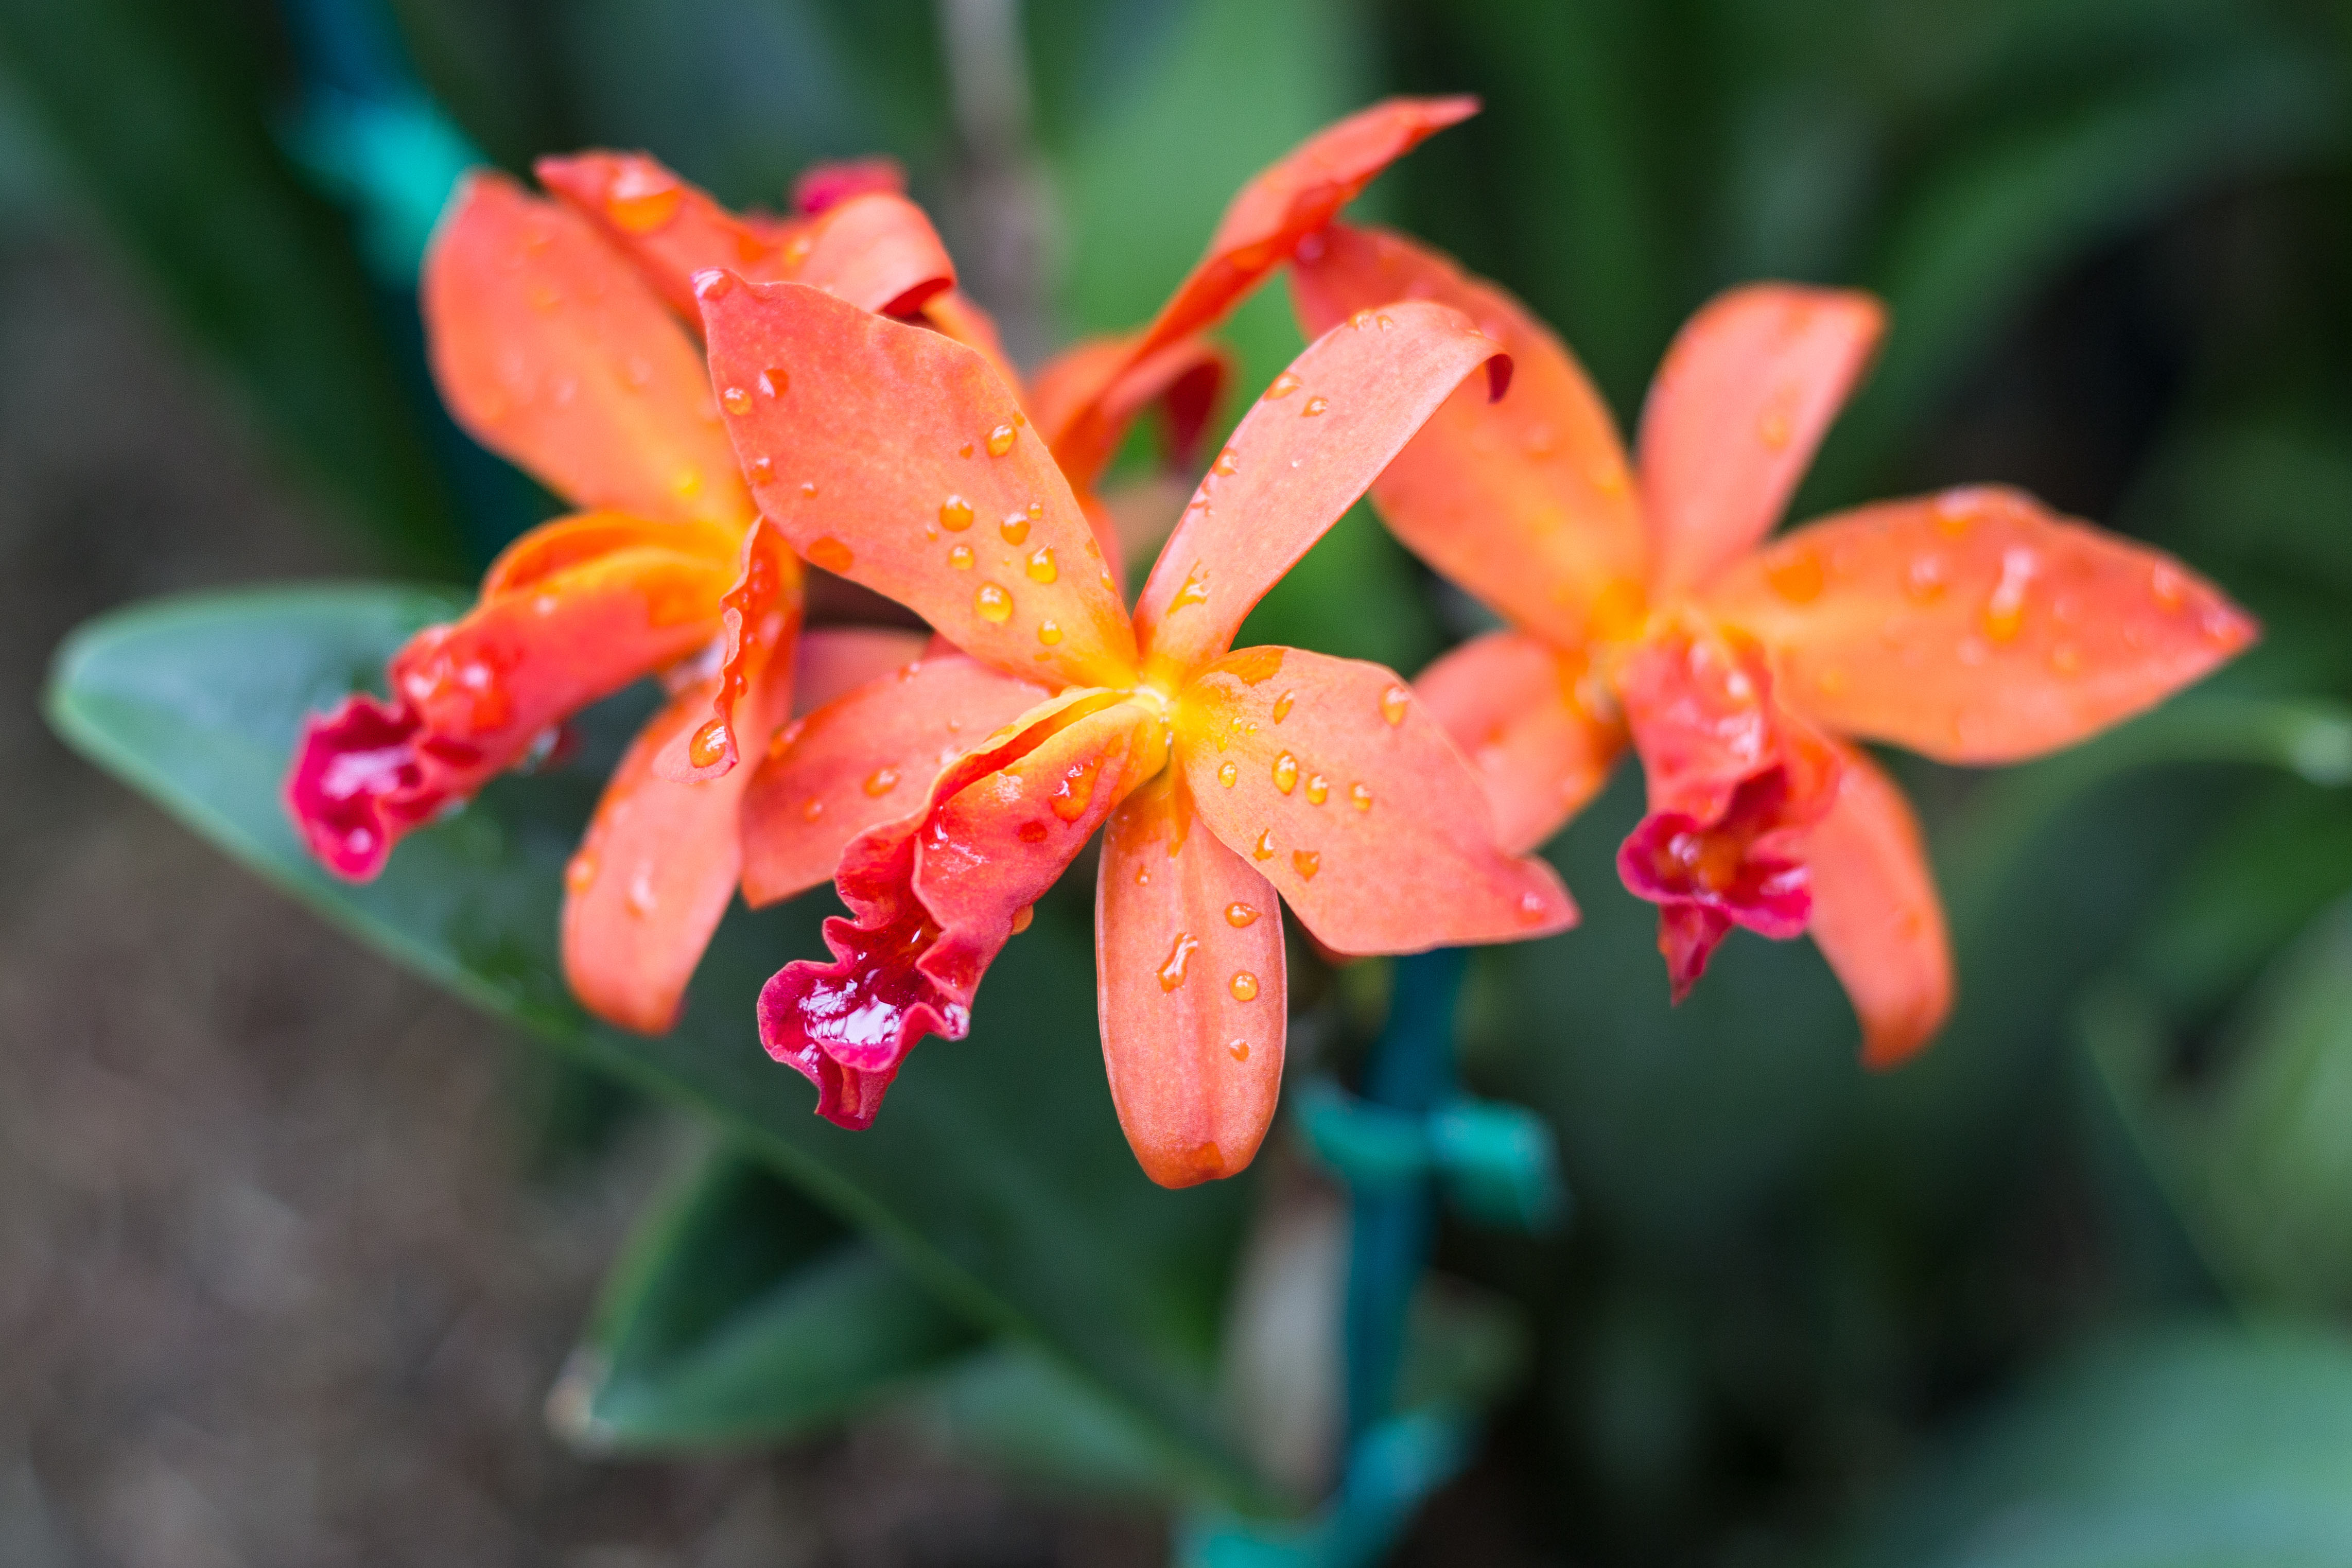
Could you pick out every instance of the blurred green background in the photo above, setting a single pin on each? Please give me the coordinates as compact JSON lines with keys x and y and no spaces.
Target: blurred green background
{"x":2070,"y":1289}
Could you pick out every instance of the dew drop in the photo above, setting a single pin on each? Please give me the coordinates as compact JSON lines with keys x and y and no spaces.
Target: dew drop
{"x":641,"y":900}
{"x":813,"y":810}
{"x":1925,"y":579}
{"x":1226,"y":464}
{"x":1040,"y":564}
{"x":709,"y":747}
{"x":1000,"y":439}
{"x":2004,"y":612}
{"x":1314,"y":407}
{"x":881,"y":782}
{"x":1306,"y":862}
{"x":992,"y":603}
{"x":737,"y":400}
{"x":1282,"y":706}
{"x":1033,"y":833}
{"x":1227,"y":774}
{"x":1284,"y":386}
{"x":1319,"y":790}
{"x":808,"y":489}
{"x":1245,"y":986}
{"x":1240,"y":916}
{"x":1014,"y":528}
{"x":1194,"y":590}
{"x":1049,"y":632}
{"x":1171,"y":973}
{"x":955,"y":514}
{"x":964,"y":451}
{"x":1360,"y":797}
{"x":1531,"y":907}
{"x":1285,"y":773}
{"x":1264,"y":848}
{"x":762,"y":470}
{"x":1238,"y":1050}
{"x":1022,"y":917}
{"x":580,"y":872}
{"x":2168,"y":588}
{"x":830,"y":554}
{"x":1392,"y":703}
{"x":797,"y":250}
{"x":772,"y":381}
{"x":713,"y":283}
{"x":959,"y":557}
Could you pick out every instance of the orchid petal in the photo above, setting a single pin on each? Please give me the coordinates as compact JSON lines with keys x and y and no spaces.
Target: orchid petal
{"x":864,"y":758}
{"x":1298,"y":459}
{"x":1527,"y":503}
{"x":961,"y":317}
{"x":1747,"y":392}
{"x":1190,"y":985}
{"x":826,"y":184}
{"x":758,"y":618}
{"x":895,"y":457}
{"x":559,"y":545}
{"x":1518,"y":711}
{"x":936,"y":895}
{"x":552,"y":353}
{"x":1345,"y":793}
{"x":874,"y":250}
{"x":1087,"y":396}
{"x":659,"y":862}
{"x":472,"y":698}
{"x":1877,"y":917}
{"x":836,"y":660}
{"x":1976,"y":627}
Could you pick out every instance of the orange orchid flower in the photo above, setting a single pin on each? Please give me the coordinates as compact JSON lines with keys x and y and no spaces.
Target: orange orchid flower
{"x":1973,"y":627}
{"x":898,"y":458}
{"x":856,"y":762}
{"x":556,"y":339}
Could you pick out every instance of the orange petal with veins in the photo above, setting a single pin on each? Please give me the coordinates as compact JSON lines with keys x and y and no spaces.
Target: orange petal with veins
{"x":1298,"y":459}
{"x":874,"y":250}
{"x":1514,"y":709}
{"x":1877,"y":917}
{"x":864,"y":758}
{"x":1747,"y":392}
{"x":1190,"y":985}
{"x":551,"y":352}
{"x":1976,"y":627}
{"x":1340,"y":789}
{"x":893,"y":457}
{"x":1527,"y":503}
{"x":836,"y":660}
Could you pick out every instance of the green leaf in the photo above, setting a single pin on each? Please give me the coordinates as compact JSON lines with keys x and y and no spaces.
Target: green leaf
{"x":997,"y":1176}
{"x":2191,"y":1446}
{"x":159,"y":110}
{"x":739,"y":1312}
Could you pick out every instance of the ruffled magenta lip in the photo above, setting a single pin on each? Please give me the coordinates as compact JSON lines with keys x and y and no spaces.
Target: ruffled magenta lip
{"x":358,"y":783}
{"x":1707,"y":877}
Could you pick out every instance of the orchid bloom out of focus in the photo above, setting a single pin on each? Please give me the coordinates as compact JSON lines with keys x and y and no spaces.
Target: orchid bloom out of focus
{"x":898,"y":458}
{"x":1644,"y":606}
{"x":559,"y":335}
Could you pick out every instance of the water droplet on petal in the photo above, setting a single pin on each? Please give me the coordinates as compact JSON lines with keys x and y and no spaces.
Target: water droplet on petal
{"x":1360,"y":797}
{"x":1033,"y":833}
{"x":762,"y":470}
{"x":1000,"y":439}
{"x":1392,"y":704}
{"x":1238,"y":1050}
{"x":959,"y":557}
{"x":736,"y":400}
{"x":813,"y":810}
{"x":1049,"y":632}
{"x":2004,"y":612}
{"x":955,"y":514}
{"x":1306,"y":862}
{"x":1285,"y":773}
{"x":992,"y":603}
{"x":1227,"y":774}
{"x":1194,"y":590}
{"x":713,"y":283}
{"x":881,"y":782}
{"x":830,"y":554}
{"x":1040,"y":564}
{"x":1314,"y":407}
{"x":2168,"y":588}
{"x":1226,"y":464}
{"x":641,"y":199}
{"x":1318,"y":789}
{"x":1245,"y":986}
{"x":1022,"y":917}
{"x":1238,"y":916}
{"x":1282,"y":706}
{"x":641,"y":899}
{"x":1014,"y":528}
{"x":1925,"y":579}
{"x":709,"y":747}
{"x":774,"y":380}
{"x":1531,"y":907}
{"x":1171,"y":973}
{"x":580,"y":872}
{"x":1284,"y":386}
{"x":1264,"y":848}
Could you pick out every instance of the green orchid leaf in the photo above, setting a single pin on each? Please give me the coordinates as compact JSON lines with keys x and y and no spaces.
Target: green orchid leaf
{"x":2191,"y":1446}
{"x":997,"y":1176}
{"x":740,"y":1312}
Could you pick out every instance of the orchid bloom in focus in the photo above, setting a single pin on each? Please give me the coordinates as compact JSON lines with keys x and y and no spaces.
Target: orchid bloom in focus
{"x":860,"y":761}
{"x":898,"y":458}
{"x":556,"y":339}
{"x":1973,"y":627}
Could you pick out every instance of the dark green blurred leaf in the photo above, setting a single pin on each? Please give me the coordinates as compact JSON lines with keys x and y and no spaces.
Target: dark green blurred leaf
{"x":160,"y":110}
{"x":997,"y":1176}
{"x":2187,"y":1448}
{"x":741,"y":1313}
